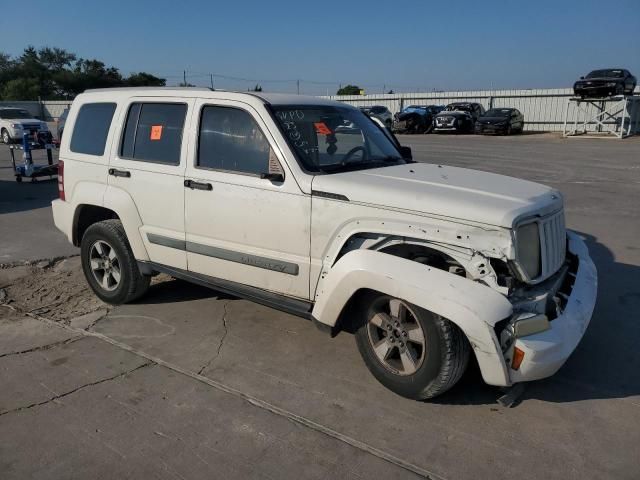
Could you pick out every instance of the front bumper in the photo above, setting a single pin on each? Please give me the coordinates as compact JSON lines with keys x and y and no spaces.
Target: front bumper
{"x":546,"y":352}
{"x":484,"y":129}
{"x":596,"y":91}
{"x":446,"y":128}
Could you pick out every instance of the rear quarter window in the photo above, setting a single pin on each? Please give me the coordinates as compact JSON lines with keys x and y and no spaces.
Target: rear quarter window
{"x":91,"y":128}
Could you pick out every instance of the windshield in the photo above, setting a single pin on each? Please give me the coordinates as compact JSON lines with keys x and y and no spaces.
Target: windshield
{"x":14,"y":113}
{"x":458,"y":108}
{"x":415,"y":108}
{"x":498,"y":112}
{"x":332,"y":139}
{"x":606,"y":74}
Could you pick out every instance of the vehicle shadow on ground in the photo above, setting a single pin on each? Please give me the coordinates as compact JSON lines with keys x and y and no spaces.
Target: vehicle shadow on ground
{"x":19,"y":197}
{"x":176,"y":291}
{"x":606,"y":362}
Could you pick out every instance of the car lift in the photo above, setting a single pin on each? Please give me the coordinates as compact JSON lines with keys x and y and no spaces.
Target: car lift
{"x":617,"y":117}
{"x":30,"y":142}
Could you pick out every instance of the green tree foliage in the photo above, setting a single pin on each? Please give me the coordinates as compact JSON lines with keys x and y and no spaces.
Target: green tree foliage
{"x":349,"y":90}
{"x":54,"y":73}
{"x":143,"y":79}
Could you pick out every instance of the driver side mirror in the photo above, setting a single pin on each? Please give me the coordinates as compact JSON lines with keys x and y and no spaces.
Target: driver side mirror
{"x":405,"y":152}
{"x":274,"y":177}
{"x":581,"y":78}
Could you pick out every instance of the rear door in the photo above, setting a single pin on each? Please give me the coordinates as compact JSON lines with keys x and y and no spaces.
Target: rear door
{"x":148,"y":163}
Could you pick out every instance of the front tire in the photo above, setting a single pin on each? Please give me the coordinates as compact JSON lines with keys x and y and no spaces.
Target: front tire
{"x":109,"y":265}
{"x":6,"y":139}
{"x":411,"y":351}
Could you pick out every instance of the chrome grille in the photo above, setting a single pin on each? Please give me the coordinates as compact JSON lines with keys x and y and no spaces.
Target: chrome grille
{"x":553,"y":243}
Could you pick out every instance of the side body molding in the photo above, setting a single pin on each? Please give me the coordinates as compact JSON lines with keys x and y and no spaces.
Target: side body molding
{"x":472,"y":306}
{"x":121,"y":202}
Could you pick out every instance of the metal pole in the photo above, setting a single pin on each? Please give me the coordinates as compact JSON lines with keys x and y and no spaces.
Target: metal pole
{"x":298,"y":85}
{"x":211,"y":77}
{"x":184,"y":78}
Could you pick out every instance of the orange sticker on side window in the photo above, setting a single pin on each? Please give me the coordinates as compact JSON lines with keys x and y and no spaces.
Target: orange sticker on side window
{"x":156,"y":132}
{"x":322,"y":128}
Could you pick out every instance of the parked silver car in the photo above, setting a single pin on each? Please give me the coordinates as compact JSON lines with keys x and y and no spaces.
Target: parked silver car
{"x":380,"y":112}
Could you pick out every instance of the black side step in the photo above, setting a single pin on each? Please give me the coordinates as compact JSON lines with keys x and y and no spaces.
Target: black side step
{"x":299,"y":308}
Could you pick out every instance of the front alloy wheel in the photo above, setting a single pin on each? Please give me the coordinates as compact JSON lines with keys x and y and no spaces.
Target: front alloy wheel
{"x":396,"y":337}
{"x":410,"y":350}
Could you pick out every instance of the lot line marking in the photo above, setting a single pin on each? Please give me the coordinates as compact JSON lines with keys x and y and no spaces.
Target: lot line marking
{"x":256,"y":402}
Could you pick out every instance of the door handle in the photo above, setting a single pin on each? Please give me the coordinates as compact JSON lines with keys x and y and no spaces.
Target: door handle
{"x":119,"y":173}
{"x":197,"y":185}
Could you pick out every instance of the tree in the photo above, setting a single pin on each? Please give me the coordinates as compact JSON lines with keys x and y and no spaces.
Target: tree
{"x":54,"y":73}
{"x":144,"y":79}
{"x":21,"y":89}
{"x":390,"y":92}
{"x":349,"y":90}
{"x":257,"y":88}
{"x":186,"y":84}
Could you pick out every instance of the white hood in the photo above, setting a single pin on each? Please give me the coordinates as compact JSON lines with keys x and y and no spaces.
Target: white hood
{"x":445,"y":191}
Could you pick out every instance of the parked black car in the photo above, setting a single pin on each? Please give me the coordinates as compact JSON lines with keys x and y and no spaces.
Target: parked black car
{"x":458,"y":117}
{"x":415,"y":119}
{"x":500,"y":120}
{"x":605,"y":83}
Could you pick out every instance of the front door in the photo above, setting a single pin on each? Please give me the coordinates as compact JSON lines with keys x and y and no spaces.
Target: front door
{"x":243,"y":222}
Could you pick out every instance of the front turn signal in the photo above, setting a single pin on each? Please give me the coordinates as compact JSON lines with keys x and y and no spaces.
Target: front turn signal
{"x":518,"y":357}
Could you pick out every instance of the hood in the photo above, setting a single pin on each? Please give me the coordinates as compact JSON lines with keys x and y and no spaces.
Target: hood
{"x":23,"y":121}
{"x":455,"y":113}
{"x":601,"y":79}
{"x":407,"y":115}
{"x":446,"y":191}
{"x":493,"y":120}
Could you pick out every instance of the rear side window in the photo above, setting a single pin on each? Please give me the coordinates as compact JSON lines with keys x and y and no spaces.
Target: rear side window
{"x":91,"y":128}
{"x":230,"y":139}
{"x":153,"y":132}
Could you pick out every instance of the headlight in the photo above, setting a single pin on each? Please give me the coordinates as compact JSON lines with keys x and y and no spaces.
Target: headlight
{"x":610,"y":84}
{"x":16,"y":125}
{"x":528,"y":249}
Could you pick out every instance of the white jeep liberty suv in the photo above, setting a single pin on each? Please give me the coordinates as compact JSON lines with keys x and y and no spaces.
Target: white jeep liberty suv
{"x":308,"y":206}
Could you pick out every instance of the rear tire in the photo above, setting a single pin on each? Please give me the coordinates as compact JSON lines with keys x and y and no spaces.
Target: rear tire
{"x":411,"y":351}
{"x":109,"y":265}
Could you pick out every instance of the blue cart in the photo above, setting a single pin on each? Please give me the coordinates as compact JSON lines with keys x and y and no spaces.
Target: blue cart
{"x":30,"y":143}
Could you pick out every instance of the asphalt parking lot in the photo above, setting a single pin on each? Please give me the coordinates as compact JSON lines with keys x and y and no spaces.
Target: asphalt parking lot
{"x":188,"y":383}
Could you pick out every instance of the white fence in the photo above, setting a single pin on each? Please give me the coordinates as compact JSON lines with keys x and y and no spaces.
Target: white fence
{"x":543,"y":109}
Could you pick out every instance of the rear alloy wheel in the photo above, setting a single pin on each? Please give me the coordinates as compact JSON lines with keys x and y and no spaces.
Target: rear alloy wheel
{"x":105,"y":265}
{"x":109,"y":264}
{"x":411,"y":351}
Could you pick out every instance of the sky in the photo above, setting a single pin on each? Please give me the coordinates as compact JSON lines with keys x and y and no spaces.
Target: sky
{"x":403,"y":45}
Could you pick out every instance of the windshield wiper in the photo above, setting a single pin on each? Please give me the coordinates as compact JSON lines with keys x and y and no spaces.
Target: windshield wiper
{"x":337,"y":167}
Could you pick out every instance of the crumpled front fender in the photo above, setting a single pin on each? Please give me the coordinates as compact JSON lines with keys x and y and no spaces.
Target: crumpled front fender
{"x":473,"y":307}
